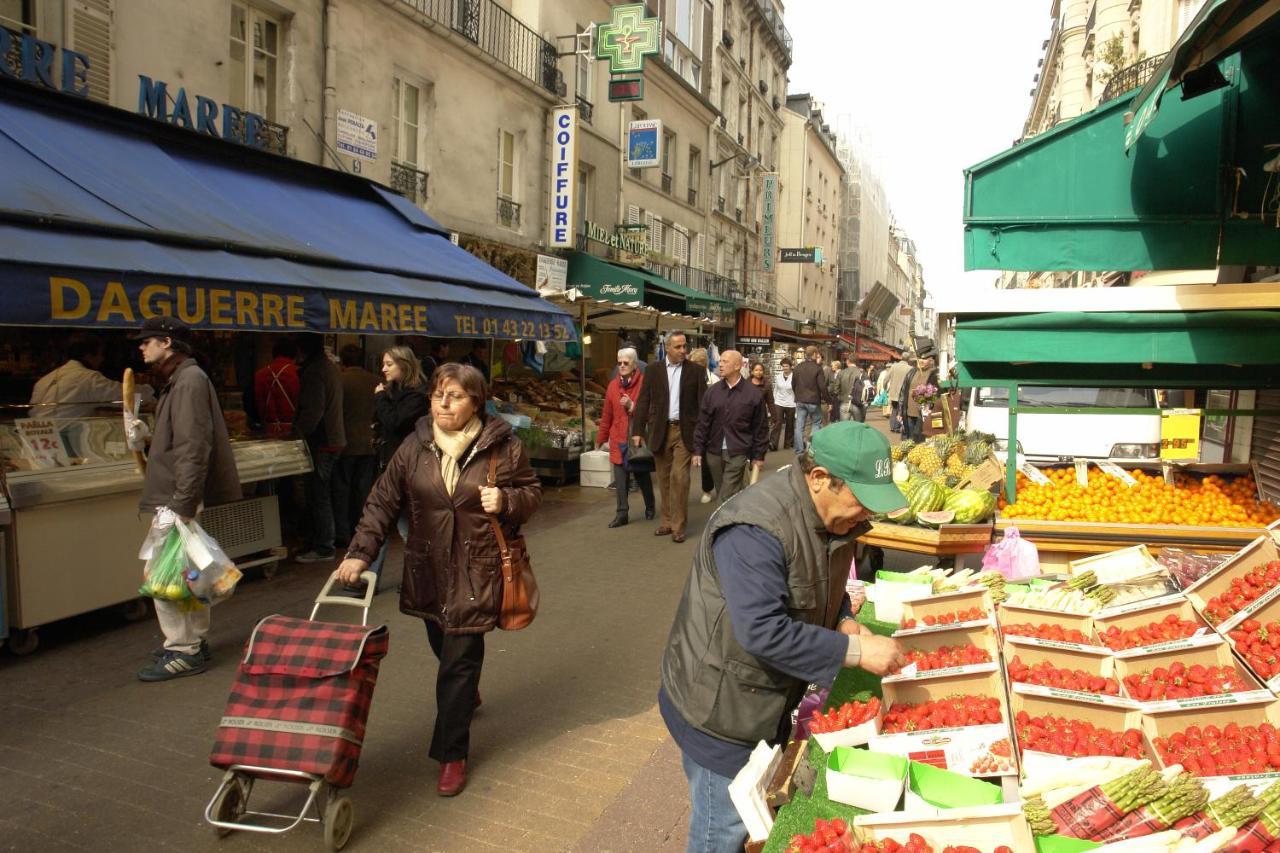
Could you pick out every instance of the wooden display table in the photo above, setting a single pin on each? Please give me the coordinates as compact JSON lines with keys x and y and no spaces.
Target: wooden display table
{"x":1060,"y":542}
{"x":949,"y":540}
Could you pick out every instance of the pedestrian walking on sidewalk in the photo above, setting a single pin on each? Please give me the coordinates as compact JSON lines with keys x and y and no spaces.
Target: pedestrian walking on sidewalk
{"x":732,"y":435}
{"x":665,"y":417}
{"x":699,"y":357}
{"x":319,"y":422}
{"x":189,"y":466}
{"x":810,"y":387}
{"x":924,"y":373}
{"x":357,"y":465}
{"x":764,"y":614}
{"x":761,"y":381}
{"x":615,"y":428}
{"x":895,"y":378}
{"x":453,"y":577}
{"x":784,"y":401}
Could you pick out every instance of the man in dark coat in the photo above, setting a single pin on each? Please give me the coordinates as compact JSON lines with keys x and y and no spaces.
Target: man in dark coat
{"x":319,"y":421}
{"x":665,"y":421}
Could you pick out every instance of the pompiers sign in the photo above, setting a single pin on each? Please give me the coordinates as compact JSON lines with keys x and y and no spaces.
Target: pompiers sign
{"x":564,"y":174}
{"x":769,"y":237}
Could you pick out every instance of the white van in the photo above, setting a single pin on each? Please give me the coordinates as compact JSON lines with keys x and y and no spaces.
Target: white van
{"x":1046,"y":436}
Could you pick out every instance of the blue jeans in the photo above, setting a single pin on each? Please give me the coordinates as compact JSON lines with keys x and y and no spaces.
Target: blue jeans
{"x":806,"y":412}
{"x":714,"y":823}
{"x":319,"y":493}
{"x":402,"y":525}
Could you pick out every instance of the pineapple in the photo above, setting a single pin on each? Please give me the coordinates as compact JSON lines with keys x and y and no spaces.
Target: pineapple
{"x":916,"y":453}
{"x":940,"y":478}
{"x":899,"y":451}
{"x":930,"y":462}
{"x":955,"y":463}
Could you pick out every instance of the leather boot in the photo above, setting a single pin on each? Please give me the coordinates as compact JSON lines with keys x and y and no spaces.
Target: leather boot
{"x":618,"y":520}
{"x":453,"y":778}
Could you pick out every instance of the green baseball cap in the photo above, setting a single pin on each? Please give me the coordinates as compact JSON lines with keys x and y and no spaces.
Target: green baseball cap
{"x":859,"y":455}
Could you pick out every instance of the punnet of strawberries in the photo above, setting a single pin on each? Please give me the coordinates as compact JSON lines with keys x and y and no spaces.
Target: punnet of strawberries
{"x":1164,"y":630}
{"x":847,"y":716}
{"x":1045,"y":631}
{"x":1259,"y":645}
{"x":1074,"y":738}
{"x":1046,"y":674}
{"x":1179,"y":681}
{"x":828,"y":835}
{"x":947,"y":657}
{"x":971,"y":614}
{"x":950,"y":712}
{"x":1244,"y":589}
{"x":916,"y":844}
{"x":1231,"y":750}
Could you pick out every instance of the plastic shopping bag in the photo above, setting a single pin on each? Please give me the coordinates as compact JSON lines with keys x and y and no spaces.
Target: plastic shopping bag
{"x":164,"y":575}
{"x":882,"y":399}
{"x":210,"y":576}
{"x":1013,"y":556}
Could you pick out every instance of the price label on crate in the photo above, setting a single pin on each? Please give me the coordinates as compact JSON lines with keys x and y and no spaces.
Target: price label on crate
{"x":1082,"y":472}
{"x":1116,"y":471}
{"x":42,"y":443}
{"x":1033,"y":474}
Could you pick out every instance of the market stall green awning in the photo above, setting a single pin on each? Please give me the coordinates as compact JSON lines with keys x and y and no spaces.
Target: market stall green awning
{"x":1219,"y":349}
{"x":1187,"y":195}
{"x":598,"y":278}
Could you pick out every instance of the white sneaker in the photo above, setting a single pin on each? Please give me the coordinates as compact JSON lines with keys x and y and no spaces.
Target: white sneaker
{"x":706,"y":497}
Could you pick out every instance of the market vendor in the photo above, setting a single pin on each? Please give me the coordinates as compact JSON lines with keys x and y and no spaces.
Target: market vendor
{"x":78,"y":389}
{"x":776,"y":558}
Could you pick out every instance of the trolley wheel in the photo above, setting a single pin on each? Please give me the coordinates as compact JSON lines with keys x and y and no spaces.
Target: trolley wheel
{"x":230,"y":806}
{"x":136,"y":610}
{"x":269,"y":569}
{"x":338,"y":818}
{"x":24,"y":642}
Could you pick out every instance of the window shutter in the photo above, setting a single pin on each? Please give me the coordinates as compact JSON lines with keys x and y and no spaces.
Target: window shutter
{"x":655,"y":236}
{"x":699,"y":251}
{"x":88,"y":25}
{"x":680,"y":245}
{"x":633,"y":214}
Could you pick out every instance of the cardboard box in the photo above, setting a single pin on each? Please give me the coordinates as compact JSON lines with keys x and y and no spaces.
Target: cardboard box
{"x":1259,"y":552}
{"x":930,"y":788}
{"x":1269,"y":612}
{"x":984,"y":750}
{"x":868,"y":780}
{"x":1121,"y":566}
{"x":852,"y":736}
{"x":1015,"y":615}
{"x":983,"y":637}
{"x":950,"y":602}
{"x":1093,"y":664}
{"x":1036,"y":763}
{"x":1217,"y":655}
{"x":984,"y":827}
{"x":1132,"y":617}
{"x":1253,"y":714}
{"x":890,"y":593}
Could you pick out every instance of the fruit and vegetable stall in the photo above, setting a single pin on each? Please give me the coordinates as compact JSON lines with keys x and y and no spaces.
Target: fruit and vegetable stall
{"x":1128,"y":703}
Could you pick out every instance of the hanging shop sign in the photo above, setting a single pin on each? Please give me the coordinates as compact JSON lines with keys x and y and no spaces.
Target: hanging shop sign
{"x":768,"y":237}
{"x":633,"y":235}
{"x":357,"y":135}
{"x":124,"y":301}
{"x":623,"y":238}
{"x":627,"y":38}
{"x":644,"y":144}
{"x":564,"y":174}
{"x":1180,"y":435}
{"x":759,"y":342}
{"x":553,"y":273}
{"x":797,"y":256}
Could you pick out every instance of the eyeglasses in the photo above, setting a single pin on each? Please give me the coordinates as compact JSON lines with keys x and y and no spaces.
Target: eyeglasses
{"x":623,"y":363}
{"x":451,"y":398}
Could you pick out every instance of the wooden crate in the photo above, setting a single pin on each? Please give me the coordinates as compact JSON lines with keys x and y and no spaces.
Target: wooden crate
{"x":1087,"y":537}
{"x":945,"y":541}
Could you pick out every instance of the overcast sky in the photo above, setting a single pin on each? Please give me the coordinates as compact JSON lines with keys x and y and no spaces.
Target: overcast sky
{"x":934,"y":86}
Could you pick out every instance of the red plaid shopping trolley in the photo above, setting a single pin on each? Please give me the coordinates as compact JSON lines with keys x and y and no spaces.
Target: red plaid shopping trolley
{"x":297,"y":713}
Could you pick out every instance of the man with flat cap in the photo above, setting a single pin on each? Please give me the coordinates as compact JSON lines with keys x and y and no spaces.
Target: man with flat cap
{"x":189,"y":466}
{"x":764,"y":614}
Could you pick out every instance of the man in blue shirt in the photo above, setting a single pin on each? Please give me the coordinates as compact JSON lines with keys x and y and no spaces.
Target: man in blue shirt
{"x":764,"y":613}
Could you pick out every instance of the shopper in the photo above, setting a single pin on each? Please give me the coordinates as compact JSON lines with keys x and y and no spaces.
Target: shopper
{"x":761,"y":382}
{"x":784,"y":401}
{"x":357,"y":465}
{"x":924,"y":373}
{"x":699,"y":357}
{"x":438,"y":354}
{"x":733,"y":430}
{"x":276,"y":388}
{"x":832,"y":376}
{"x":895,"y":376}
{"x":810,"y":388}
{"x":764,"y":614}
{"x":319,"y":422}
{"x":479,"y":358}
{"x":189,"y":466}
{"x":78,"y":389}
{"x":453,"y":577}
{"x":846,"y":393}
{"x":665,"y":417}
{"x":399,"y":402}
{"x":615,"y":427}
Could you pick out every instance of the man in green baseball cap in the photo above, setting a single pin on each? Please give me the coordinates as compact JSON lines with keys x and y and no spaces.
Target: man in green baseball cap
{"x":765,"y":613}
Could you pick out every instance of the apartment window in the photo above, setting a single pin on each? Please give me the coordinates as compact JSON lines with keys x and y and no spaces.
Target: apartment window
{"x":583,"y":202}
{"x":18,"y":15}
{"x":695,"y":174}
{"x":668,"y":160}
{"x":669,"y":53}
{"x":583,"y":72}
{"x":405,"y":111}
{"x":255,"y":52}
{"x":506,"y":164}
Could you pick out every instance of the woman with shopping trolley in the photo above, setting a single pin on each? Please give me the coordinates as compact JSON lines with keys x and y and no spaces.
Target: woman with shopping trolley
{"x":453,"y":570}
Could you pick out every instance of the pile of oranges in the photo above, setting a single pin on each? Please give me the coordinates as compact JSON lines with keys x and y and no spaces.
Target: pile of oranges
{"x":1209,"y":502}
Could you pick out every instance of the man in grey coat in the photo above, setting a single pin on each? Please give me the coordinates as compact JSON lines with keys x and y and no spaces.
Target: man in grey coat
{"x":319,"y":421}
{"x":190,"y":465}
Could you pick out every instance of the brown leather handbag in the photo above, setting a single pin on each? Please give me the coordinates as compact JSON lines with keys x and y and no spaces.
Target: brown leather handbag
{"x":519,"y":589}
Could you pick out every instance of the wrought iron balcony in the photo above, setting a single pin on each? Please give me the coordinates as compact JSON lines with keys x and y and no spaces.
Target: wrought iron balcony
{"x":666,"y":183}
{"x":703,"y":281}
{"x":737,"y":213}
{"x":409,"y":182}
{"x":508,"y":212}
{"x":726,"y":38}
{"x":12,"y":58}
{"x":271,"y":136}
{"x":764,"y":87}
{"x":740,"y":138}
{"x":585,"y":109}
{"x":498,"y":33}
{"x":720,"y":204}
{"x":774,"y":26}
{"x":776,"y":103}
{"x":724,"y":122}
{"x":1127,"y":79}
{"x":693,"y":197}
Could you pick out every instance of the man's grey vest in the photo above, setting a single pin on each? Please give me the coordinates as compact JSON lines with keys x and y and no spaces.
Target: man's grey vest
{"x":711,"y":680}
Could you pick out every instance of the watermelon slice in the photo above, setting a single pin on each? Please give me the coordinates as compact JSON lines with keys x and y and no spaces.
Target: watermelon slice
{"x":900,"y":516}
{"x":936,"y":519}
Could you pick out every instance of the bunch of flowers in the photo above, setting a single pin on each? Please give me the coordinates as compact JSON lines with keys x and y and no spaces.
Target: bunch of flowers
{"x":926,"y":395}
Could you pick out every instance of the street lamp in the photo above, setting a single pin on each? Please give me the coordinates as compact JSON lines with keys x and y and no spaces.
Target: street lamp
{"x":752,"y":162}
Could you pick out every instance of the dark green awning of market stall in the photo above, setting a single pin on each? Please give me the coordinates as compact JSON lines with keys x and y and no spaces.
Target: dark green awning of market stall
{"x":1219,"y":349}
{"x":598,"y":278}
{"x":1187,"y":195}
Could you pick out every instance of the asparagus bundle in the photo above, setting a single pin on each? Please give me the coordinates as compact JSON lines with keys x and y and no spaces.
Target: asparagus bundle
{"x":1185,"y":796}
{"x":994,"y":582}
{"x":1263,"y":831}
{"x":1089,"y":813}
{"x":1234,"y":808}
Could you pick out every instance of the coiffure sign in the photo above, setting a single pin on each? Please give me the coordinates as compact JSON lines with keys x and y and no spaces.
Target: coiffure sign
{"x":564,"y":174}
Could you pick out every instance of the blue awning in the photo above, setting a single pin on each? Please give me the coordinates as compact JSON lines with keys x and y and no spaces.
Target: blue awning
{"x":107,"y":218}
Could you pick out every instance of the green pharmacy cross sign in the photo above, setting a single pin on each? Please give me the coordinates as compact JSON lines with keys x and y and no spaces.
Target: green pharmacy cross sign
{"x":627,"y":39}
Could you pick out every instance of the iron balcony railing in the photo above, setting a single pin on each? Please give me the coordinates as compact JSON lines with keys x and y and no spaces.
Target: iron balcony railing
{"x":409,"y":182}
{"x":585,"y":109}
{"x":737,"y":213}
{"x":703,"y":281}
{"x":720,"y":203}
{"x":666,"y":183}
{"x":774,"y":26}
{"x":498,"y":33}
{"x":508,"y":212}
{"x":693,"y":197}
{"x":1127,"y":79}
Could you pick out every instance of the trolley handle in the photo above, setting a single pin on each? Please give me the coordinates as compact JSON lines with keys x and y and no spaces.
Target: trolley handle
{"x":371,"y":584}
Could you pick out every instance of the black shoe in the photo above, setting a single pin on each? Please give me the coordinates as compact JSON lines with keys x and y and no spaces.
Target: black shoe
{"x":618,"y":521}
{"x":648,"y":514}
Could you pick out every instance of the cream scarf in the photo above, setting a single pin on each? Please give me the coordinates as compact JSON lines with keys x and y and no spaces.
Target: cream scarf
{"x":452,"y":444}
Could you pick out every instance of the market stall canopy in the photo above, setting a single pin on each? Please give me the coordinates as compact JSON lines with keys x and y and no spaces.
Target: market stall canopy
{"x":107,"y":218}
{"x":872,"y":350}
{"x":1192,"y":193}
{"x":607,"y":314}
{"x":758,"y":327}
{"x":597,"y":277}
{"x":879,"y":303}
